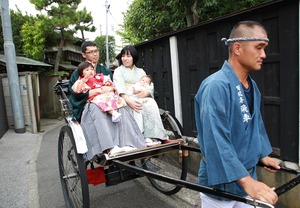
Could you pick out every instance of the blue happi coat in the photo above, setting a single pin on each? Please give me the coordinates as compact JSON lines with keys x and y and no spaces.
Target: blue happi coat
{"x":232,"y":140}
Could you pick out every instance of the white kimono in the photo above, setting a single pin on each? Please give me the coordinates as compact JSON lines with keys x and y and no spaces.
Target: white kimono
{"x":148,"y":118}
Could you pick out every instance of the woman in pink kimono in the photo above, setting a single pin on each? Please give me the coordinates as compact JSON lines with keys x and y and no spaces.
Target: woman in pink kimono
{"x":146,"y":114}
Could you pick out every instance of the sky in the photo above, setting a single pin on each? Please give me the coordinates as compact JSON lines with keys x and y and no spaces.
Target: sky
{"x":98,"y":11}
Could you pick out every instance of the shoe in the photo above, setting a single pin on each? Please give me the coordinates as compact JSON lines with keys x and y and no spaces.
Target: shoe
{"x":116,"y":117}
{"x":128,"y":148}
{"x":115,"y":150}
{"x":148,"y":142}
{"x":156,"y":141}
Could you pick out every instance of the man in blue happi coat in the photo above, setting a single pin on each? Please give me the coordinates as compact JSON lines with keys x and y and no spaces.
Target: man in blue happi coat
{"x":231,"y":132}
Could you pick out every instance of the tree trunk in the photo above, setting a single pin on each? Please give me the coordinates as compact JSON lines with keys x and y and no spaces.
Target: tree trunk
{"x":58,"y":55}
{"x":191,"y":13}
{"x":188,"y":15}
{"x":196,"y":16}
{"x":82,"y":35}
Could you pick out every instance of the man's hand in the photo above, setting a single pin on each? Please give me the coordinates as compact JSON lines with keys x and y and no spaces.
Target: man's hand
{"x":101,"y":90}
{"x":258,"y":190}
{"x":106,"y":89}
{"x":271,"y":165}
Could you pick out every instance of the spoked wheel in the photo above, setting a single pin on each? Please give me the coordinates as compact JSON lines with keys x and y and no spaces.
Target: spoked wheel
{"x":172,"y":164}
{"x":171,"y":124}
{"x":72,"y":171}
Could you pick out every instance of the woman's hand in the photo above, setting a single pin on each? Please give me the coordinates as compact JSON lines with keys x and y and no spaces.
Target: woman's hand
{"x":134,"y":104}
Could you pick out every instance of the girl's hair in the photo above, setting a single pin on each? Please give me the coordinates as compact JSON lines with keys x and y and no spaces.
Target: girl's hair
{"x":82,"y":66}
{"x":128,"y":50}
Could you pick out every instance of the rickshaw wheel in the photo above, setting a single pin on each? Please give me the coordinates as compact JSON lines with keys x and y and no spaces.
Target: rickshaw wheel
{"x":72,"y":171}
{"x":171,"y":124}
{"x":173,"y":164}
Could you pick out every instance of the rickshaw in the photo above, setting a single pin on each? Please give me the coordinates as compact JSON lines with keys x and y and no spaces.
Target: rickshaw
{"x":165,"y":165}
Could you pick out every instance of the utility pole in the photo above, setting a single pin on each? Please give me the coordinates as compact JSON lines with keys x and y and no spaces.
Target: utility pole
{"x":106,"y":38}
{"x":12,"y":69}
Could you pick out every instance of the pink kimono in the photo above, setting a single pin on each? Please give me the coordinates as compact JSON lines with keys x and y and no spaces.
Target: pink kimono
{"x":107,"y":101}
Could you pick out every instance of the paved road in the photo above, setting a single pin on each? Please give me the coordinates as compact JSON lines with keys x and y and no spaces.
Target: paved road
{"x":18,"y":162}
{"x":30,"y":178}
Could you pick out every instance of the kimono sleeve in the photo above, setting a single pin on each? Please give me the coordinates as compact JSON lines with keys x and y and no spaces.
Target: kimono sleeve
{"x":119,"y":81}
{"x":212,"y":108}
{"x":77,"y":100}
{"x":265,"y":142}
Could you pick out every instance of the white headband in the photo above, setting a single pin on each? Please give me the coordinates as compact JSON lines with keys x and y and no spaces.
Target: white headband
{"x":227,"y":41}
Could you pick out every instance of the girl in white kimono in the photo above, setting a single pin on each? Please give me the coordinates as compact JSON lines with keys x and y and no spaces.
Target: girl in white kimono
{"x":145,"y":113}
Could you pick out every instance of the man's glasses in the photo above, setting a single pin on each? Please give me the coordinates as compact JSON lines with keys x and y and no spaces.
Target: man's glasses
{"x":92,"y":52}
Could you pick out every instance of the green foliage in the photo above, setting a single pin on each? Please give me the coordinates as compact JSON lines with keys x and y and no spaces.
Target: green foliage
{"x":222,"y":7}
{"x":86,"y":22}
{"x":34,"y":34}
{"x":61,"y":13}
{"x":37,"y":37}
{"x":64,"y":18}
{"x":101,"y":44}
{"x":148,"y":19}
{"x":17,"y":20}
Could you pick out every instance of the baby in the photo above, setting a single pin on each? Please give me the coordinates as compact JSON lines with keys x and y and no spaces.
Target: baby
{"x":143,"y":84}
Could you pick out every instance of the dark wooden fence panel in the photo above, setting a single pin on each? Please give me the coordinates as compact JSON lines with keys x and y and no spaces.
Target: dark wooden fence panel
{"x":155,"y":60}
{"x":3,"y":116}
{"x":201,"y":53}
{"x":49,"y":101}
{"x":288,"y":46}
